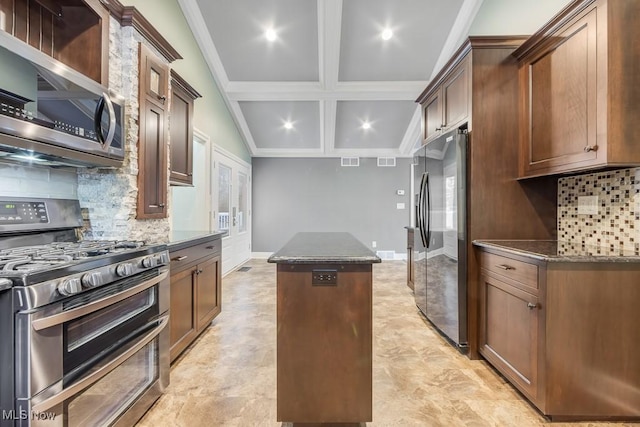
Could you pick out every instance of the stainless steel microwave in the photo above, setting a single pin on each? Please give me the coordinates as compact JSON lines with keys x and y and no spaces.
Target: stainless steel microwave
{"x":53,"y":115}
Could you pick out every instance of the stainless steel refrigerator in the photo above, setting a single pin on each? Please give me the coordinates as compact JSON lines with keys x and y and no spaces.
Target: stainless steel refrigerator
{"x":440,"y":250}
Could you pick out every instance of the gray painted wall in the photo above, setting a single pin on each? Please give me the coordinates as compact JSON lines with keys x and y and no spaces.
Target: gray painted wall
{"x":300,"y":194}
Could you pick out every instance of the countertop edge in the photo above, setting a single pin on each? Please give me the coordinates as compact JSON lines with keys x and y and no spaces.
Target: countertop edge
{"x":196,"y":240}
{"x":495,"y":244}
{"x":323,"y":260}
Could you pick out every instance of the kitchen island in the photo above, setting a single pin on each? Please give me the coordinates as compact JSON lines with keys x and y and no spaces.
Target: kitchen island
{"x":324,"y":324}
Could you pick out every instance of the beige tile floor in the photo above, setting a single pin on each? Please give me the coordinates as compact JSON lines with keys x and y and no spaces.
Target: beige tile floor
{"x":228,"y":377}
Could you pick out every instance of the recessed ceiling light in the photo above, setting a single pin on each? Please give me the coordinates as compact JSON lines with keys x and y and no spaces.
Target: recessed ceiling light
{"x":366,"y":125}
{"x":270,"y":34}
{"x":288,"y":125}
{"x":386,"y":34}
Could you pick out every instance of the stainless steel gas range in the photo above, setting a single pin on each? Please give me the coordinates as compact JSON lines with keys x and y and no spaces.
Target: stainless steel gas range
{"x":83,"y":325}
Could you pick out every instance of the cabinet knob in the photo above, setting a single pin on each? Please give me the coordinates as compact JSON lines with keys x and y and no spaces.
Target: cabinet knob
{"x":162,"y":98}
{"x":589,"y":148}
{"x":198,"y":271}
{"x":531,"y":306}
{"x":161,"y":205}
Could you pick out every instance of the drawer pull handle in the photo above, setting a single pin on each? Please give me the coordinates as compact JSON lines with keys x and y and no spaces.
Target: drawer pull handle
{"x":180,"y":258}
{"x":210,"y":247}
{"x":531,"y":306}
{"x":505,"y":267}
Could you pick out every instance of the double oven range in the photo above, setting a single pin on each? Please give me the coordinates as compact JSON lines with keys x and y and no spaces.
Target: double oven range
{"x":83,"y":324}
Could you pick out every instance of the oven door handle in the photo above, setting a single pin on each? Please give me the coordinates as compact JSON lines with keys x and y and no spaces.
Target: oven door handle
{"x":66,"y":316}
{"x":101,"y":372}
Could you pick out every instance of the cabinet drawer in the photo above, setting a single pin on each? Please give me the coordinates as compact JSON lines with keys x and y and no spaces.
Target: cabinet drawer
{"x":184,"y":258}
{"x":522,"y":272}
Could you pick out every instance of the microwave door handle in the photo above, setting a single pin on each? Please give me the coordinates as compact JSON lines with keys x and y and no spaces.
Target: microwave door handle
{"x":97,"y":122}
{"x":102,"y":371}
{"x":66,"y":316}
{"x":112,"y":121}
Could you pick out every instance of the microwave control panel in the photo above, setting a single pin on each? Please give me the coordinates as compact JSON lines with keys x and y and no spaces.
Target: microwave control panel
{"x":23,"y":213}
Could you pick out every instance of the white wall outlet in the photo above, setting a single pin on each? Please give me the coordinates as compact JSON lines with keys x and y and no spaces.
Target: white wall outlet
{"x":400,"y":192}
{"x":587,"y":205}
{"x":399,"y":205}
{"x":374,"y":244}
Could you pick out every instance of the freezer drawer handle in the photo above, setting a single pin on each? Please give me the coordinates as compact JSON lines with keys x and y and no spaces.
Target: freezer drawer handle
{"x":505,"y":267}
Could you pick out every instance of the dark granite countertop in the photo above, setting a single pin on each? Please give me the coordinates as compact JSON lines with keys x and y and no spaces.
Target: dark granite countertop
{"x":558,"y":251}
{"x":180,"y":239}
{"x":324,"y":248}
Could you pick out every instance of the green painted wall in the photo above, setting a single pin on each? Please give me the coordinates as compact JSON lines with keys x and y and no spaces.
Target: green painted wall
{"x":211,"y":113}
{"x":497,"y":17}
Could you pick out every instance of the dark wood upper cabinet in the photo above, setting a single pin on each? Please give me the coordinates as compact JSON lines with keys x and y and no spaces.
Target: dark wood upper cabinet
{"x":181,"y":131}
{"x":152,"y":142}
{"x":448,"y":104}
{"x":579,"y":96}
{"x":75,"y":33}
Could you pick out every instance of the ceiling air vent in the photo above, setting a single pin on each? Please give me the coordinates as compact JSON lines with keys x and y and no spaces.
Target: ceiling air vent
{"x":386,"y":161}
{"x":350,"y":161}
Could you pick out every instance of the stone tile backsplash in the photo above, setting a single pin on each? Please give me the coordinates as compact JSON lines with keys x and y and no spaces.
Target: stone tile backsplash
{"x":616,"y":226}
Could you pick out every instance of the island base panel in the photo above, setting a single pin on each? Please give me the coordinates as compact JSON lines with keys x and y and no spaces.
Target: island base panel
{"x":324,"y":362}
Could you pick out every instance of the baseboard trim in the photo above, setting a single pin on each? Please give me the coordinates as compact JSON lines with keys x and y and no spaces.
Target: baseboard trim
{"x":261,"y":255}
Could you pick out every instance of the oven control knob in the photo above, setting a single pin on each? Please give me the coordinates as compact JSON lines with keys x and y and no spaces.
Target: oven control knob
{"x":163,"y":258}
{"x":70,"y":286}
{"x":124,"y":269}
{"x":149,"y":262}
{"x":91,"y":280}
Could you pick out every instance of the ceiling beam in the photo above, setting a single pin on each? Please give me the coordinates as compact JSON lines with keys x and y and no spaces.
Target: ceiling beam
{"x":459,"y":31}
{"x":309,"y":91}
{"x":328,"y":112}
{"x":412,"y":135}
{"x":329,"y":29}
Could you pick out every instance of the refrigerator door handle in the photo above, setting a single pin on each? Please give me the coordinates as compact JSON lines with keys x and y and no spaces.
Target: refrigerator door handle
{"x":421,"y":210}
{"x":428,"y":211}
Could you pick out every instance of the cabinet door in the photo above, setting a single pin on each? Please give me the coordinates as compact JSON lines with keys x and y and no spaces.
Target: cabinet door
{"x":432,"y":117}
{"x":559,"y":103}
{"x":509,"y":332}
{"x":152,"y":163}
{"x":208,"y":292}
{"x":152,"y":143}
{"x":181,"y":137}
{"x":153,"y":78}
{"x":182,"y":315}
{"x":455,"y":96}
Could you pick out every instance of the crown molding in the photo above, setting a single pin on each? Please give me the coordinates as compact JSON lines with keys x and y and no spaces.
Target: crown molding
{"x":129,"y":16}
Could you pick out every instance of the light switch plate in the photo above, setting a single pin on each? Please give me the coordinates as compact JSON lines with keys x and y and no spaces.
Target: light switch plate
{"x":587,"y":205}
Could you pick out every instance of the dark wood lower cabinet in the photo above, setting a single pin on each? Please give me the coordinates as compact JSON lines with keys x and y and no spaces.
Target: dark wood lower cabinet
{"x":510,"y":333}
{"x":196,"y":293}
{"x":564,"y":333}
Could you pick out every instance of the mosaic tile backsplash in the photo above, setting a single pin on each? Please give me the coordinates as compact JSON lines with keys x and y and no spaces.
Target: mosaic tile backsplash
{"x":616,"y":225}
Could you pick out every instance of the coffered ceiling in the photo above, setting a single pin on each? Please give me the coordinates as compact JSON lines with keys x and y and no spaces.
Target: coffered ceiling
{"x":328,"y":84}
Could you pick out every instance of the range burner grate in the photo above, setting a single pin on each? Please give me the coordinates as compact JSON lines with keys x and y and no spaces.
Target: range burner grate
{"x":33,"y":258}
